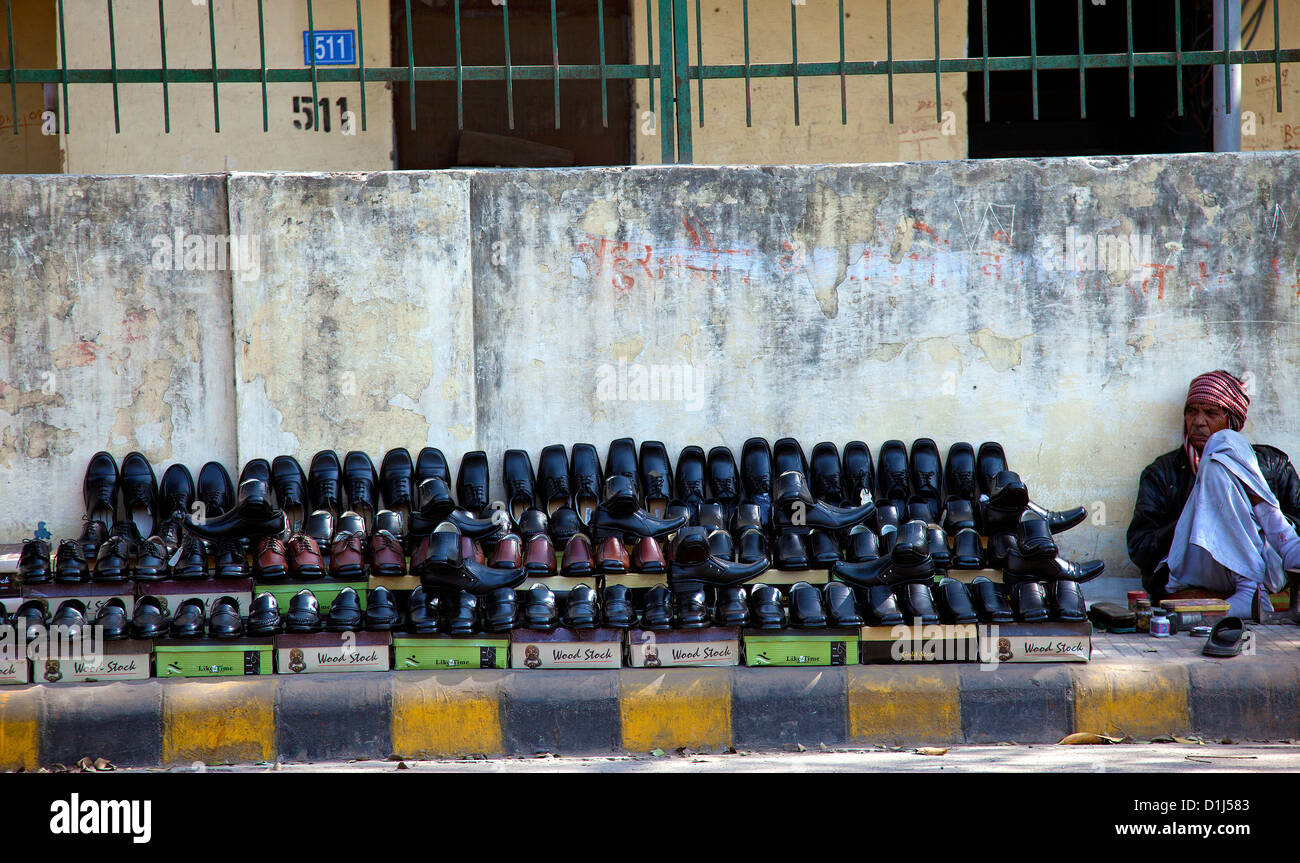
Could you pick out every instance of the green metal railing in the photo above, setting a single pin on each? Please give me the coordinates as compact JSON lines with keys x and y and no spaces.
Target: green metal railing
{"x":673,"y":71}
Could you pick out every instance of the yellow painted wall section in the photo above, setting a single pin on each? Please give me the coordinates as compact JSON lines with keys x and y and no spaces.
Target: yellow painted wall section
{"x":1131,"y":702}
{"x":32,"y":150}
{"x":219,"y":721}
{"x":445,"y":715}
{"x":93,"y":145}
{"x":1269,"y":129}
{"x":887,"y":704}
{"x":668,"y":709}
{"x":20,"y":743}
{"x":821,"y":136}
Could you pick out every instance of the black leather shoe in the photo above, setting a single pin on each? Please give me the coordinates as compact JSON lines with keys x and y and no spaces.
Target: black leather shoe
{"x":150,"y":562}
{"x":657,"y":614}
{"x":531,"y":523}
{"x":823,"y":548}
{"x":390,"y":522}
{"x":639,"y":523}
{"x":325,"y":482}
{"x":787,"y":455}
{"x":916,"y":601}
{"x":954,"y":602}
{"x":765,"y":609}
{"x":1068,"y":602}
{"x":1052,"y":569}
{"x":841,"y":603}
{"x":434,"y":504}
{"x":967,"y":551}
{"x":71,"y":616}
{"x":990,"y":602}
{"x":694,"y":565}
{"x":959,"y":515}
{"x":731,"y":608}
{"x":397,"y":480}
{"x":139,"y":493}
{"x":859,"y":474}
{"x":1029,"y":601}
{"x":520,"y":484}
{"x":825,"y":480}
{"x":690,"y":484}
{"x":361,"y":481}
{"x":990,"y":461}
{"x":1033,"y":536}
{"x":619,"y":496}
{"x":959,"y":474}
{"x":423,"y":612}
{"x":264,"y":615}
{"x":999,"y":548}
{"x":908,"y":561}
{"x":345,"y":612}
{"x":94,"y":533}
{"x":290,"y":486}
{"x":149,"y":620}
{"x":756,"y":477}
{"x":888,"y":515}
{"x":1059,"y":521}
{"x":175,"y":492}
{"x":797,"y":509}
{"x":807,"y":611}
{"x":215,"y":490}
{"x":303,"y":614}
{"x":892,"y":482}
{"x":473,"y":577}
{"x":939,"y":547}
{"x":34,"y":562}
{"x":791,"y":552}
{"x":192,"y":561}
{"x":188,"y":621}
{"x":114,"y":560}
{"x":381,"y":611}
{"x":862,"y":545}
{"x":99,"y":489}
{"x":31,"y":618}
{"x":616,"y":607}
{"x":540,"y":612}
{"x":430,"y":464}
{"x":620,"y":460}
{"x":881,"y":608}
{"x":656,"y":473}
{"x":501,"y":611}
{"x":1008,"y":492}
{"x":721,"y":545}
{"x":564,"y":523}
{"x":225,"y":622}
{"x":473,"y":481}
{"x":926,"y":474}
{"x":553,"y":489}
{"x":586,"y":478}
{"x":724,"y":479}
{"x":581,"y":611}
{"x":692,"y":609}
{"x":252,"y":517}
{"x":462,"y":615}
{"x":713,"y":515}
{"x":112,"y":617}
{"x":258,"y":469}
{"x":752,"y":545}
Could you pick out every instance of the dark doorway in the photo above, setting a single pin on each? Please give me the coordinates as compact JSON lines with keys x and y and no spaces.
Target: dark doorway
{"x":582,"y":139}
{"x":1107,"y":129}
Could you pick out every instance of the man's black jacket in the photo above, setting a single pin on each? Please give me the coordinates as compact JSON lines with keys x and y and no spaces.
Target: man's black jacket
{"x":1163,"y":491}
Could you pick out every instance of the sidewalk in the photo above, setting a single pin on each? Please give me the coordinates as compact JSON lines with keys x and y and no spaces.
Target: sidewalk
{"x":1136,"y":686}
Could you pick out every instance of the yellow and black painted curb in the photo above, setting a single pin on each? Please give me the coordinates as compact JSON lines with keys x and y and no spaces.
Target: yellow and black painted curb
{"x":444,"y":714}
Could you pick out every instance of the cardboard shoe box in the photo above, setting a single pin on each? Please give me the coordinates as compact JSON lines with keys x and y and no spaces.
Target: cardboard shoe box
{"x":1054,"y":641}
{"x":567,"y":648}
{"x":92,"y":594}
{"x":173,"y":592}
{"x":713,"y":645}
{"x":787,"y":647}
{"x":932,"y":642}
{"x":443,"y":652}
{"x":129,"y":659}
{"x":307,"y":653}
{"x":211,"y":657}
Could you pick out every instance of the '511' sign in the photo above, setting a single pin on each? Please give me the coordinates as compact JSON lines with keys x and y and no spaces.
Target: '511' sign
{"x":317,"y":117}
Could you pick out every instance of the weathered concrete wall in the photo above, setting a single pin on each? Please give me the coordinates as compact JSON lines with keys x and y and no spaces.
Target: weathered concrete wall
{"x":1059,"y":306}
{"x":107,"y":340}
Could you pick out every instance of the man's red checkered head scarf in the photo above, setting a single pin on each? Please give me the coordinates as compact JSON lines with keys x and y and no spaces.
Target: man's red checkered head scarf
{"x":1222,"y":389}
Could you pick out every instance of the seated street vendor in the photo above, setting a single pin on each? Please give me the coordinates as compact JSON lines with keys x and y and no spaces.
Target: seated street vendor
{"x":1216,"y":513}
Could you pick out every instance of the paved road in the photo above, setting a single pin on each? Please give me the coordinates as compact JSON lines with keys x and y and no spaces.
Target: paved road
{"x":1147,"y":758}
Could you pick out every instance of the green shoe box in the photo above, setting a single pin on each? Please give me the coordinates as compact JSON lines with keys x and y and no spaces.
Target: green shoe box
{"x":325,"y":591}
{"x":210,"y":657}
{"x":792,"y":648}
{"x":304,"y":653}
{"x":443,"y":652}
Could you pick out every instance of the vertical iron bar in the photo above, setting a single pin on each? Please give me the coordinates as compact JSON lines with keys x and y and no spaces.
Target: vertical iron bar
{"x":699,"y":60}
{"x":261,"y":52}
{"x":604,"y":99}
{"x":311,"y":52}
{"x":745,"y":13}
{"x":410,"y":63}
{"x":212,"y":39}
{"x":938,"y":94}
{"x":555,"y":64}
{"x":13,"y":85}
{"x":844,"y":90}
{"x":460,"y":89}
{"x":794,"y":57}
{"x":1083,"y":93}
{"x":1128,"y":8}
{"x":1227,"y":72}
{"x":112,"y":51}
{"x":650,"y":53}
{"x":162,"y":39}
{"x":681,"y":77}
{"x":361,"y":61}
{"x":63,"y":67}
{"x":984,"y":25}
{"x":1277,"y":62}
{"x":1178,"y":50}
{"x":889,"y":53}
{"x":1033,"y":51}
{"x":510,"y":82}
{"x":666,"y":124}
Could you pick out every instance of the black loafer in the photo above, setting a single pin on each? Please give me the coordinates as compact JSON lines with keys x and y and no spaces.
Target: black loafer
{"x":765,"y":609}
{"x":586,"y":479}
{"x":1052,"y":569}
{"x":225,"y":622}
{"x":823,"y":548}
{"x":752,"y":545}
{"x":638,"y":523}
{"x":720,"y":545}
{"x":563,"y":524}
{"x":881,"y":608}
{"x":791,"y":552}
{"x":304,"y":613}
{"x":692,"y":610}
{"x":731,"y":608}
{"x":1034,"y":537}
{"x":264,"y":615}
{"x":149,"y":619}
{"x":1060,"y":521}
{"x":139,"y":493}
{"x":1008,"y":492}
{"x":616,"y":607}
{"x":532,"y":522}
{"x":990,"y":602}
{"x":345,"y":612}
{"x":581,"y":611}
{"x":797,"y":509}
{"x":462,"y":615}
{"x":99,"y":489}
{"x":657,"y":615}
{"x":862,"y":546}
{"x":188,"y":621}
{"x":967,"y":551}
{"x":397,"y":480}
{"x":381,"y":612}
{"x":1068,"y":602}
{"x":361,"y":481}
{"x":999,"y":549}
{"x":959,"y":474}
{"x":954,"y":602}
{"x":917,"y":602}
{"x":938,"y":543}
{"x":694,"y":563}
{"x":423,"y":612}
{"x":501,"y":611}
{"x":112,"y":617}
{"x":712,"y":514}
{"x":254,"y":516}
{"x":888,"y":515}
{"x":959,"y":515}
{"x":1029,"y":601}
{"x":841,"y":604}
{"x":540,"y":611}
{"x":656,"y":477}
{"x":807,"y":611}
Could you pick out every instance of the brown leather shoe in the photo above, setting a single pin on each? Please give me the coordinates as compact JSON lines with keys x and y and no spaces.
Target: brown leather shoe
{"x":649,"y":557}
{"x":509,"y":553}
{"x":348,"y":556}
{"x":305,"y":559}
{"x":269,"y":560}
{"x":386,"y":557}
{"x":539,"y":557}
{"x":612,"y":556}
{"x":578,"y":557}
{"x":471,"y":550}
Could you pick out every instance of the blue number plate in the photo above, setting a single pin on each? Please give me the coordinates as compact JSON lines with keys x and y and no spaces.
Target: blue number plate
{"x":333,"y":47}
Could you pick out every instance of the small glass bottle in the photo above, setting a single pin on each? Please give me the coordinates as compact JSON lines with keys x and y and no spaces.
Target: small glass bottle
{"x":1144,"y":615}
{"x":1160,"y":623}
